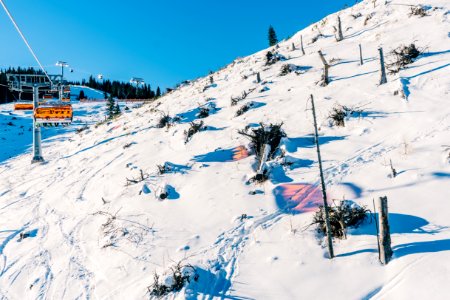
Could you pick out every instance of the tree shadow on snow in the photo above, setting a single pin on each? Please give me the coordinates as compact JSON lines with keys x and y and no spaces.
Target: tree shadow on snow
{"x":223,"y":155}
{"x":402,"y":224}
{"x":292,"y":144}
{"x":192,"y":115}
{"x":210,"y":285}
{"x":398,"y":223}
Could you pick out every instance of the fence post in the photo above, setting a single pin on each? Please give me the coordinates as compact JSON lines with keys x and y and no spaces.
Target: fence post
{"x":301,"y":43}
{"x":384,"y":240}
{"x":360,"y":55}
{"x":383,"y":79}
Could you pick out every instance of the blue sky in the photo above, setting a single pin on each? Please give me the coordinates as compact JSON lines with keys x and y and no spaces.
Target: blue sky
{"x":163,"y":42}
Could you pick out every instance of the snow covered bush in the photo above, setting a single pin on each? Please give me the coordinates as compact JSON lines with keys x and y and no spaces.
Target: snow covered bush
{"x":285,"y":69}
{"x":178,"y":277}
{"x":164,"y":121}
{"x":418,"y":10}
{"x":272,"y":58}
{"x":346,"y":214}
{"x":403,"y":56}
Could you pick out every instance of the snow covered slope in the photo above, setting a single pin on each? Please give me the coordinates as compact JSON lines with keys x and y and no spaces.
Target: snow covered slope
{"x":90,"y":93}
{"x":73,"y":228}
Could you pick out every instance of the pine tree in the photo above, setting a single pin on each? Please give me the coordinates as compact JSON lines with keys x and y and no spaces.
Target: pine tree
{"x":273,"y":40}
{"x":110,"y":107}
{"x":81,"y":95}
{"x":116,"y":111}
{"x":158,"y":92}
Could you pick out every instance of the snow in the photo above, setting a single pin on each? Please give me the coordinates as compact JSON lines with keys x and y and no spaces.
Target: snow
{"x":90,"y":93}
{"x":92,"y":235}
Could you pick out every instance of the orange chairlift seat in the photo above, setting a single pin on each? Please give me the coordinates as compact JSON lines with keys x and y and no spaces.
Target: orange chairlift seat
{"x":23,"y":106}
{"x":53,"y":114}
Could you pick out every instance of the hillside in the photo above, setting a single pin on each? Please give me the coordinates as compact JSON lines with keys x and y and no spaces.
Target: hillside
{"x":92,"y":232}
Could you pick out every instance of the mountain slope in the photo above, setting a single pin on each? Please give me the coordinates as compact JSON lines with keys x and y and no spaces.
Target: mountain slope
{"x":90,"y":235}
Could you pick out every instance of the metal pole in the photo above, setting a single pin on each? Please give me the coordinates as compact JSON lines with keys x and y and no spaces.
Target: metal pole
{"x":62,"y":79}
{"x":324,"y":192}
{"x":37,"y":151}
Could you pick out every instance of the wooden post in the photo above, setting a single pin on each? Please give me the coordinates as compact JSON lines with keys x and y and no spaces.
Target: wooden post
{"x":301,"y":43}
{"x":264,"y":156}
{"x":360,"y":55}
{"x":339,"y":37}
{"x":384,"y":240}
{"x":322,"y":180}
{"x":383,"y":79}
{"x":326,"y":66}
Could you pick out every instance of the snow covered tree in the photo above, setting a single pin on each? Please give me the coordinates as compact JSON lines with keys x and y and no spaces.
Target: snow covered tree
{"x":273,"y":40}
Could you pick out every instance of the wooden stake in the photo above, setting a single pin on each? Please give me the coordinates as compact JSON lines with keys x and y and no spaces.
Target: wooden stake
{"x":326,"y":66}
{"x":339,"y":37}
{"x":384,"y":240}
{"x":301,"y":44}
{"x":322,"y":180}
{"x":360,"y":55}
{"x":383,"y":79}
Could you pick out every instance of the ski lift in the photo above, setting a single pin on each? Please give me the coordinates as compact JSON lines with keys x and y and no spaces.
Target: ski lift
{"x":100,"y":76}
{"x":54,"y":114}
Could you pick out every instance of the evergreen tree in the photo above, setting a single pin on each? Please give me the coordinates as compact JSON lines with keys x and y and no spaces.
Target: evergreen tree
{"x":110,"y":106}
{"x":273,"y":40}
{"x":81,"y":95}
{"x":158,"y":92}
{"x":116,"y":111}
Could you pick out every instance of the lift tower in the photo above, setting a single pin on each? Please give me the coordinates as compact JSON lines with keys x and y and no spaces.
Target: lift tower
{"x":31,"y":83}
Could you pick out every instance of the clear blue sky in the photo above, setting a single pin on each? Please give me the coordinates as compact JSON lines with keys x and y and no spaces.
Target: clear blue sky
{"x":164,"y":41}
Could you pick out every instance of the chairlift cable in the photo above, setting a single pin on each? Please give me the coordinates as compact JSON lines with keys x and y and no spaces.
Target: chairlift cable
{"x":24,"y":39}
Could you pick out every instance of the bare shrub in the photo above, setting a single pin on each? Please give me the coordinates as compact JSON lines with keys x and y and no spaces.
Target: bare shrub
{"x":244,"y":95}
{"x":339,"y":113}
{"x":263,"y":135}
{"x":285,"y":69}
{"x":272,"y":58}
{"x":369,"y":16}
{"x":164,"y":121}
{"x":142,"y":176}
{"x":193,"y":129}
{"x":316,"y":38}
{"x":346,"y":214}
{"x":418,"y":10}
{"x":244,"y":108}
{"x":403,"y":56}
